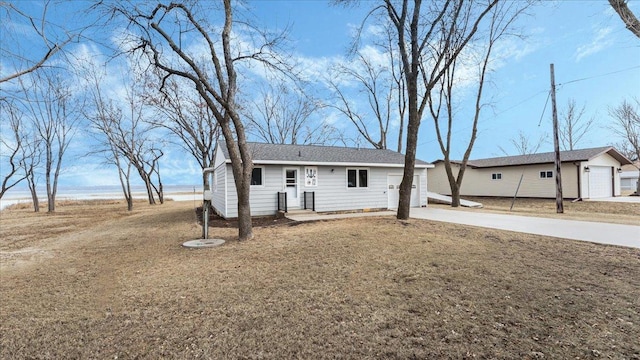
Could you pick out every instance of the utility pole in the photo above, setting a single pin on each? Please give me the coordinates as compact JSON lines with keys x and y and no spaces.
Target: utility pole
{"x":556,"y":145}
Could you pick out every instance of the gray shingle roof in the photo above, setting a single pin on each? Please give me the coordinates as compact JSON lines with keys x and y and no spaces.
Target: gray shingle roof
{"x":321,"y":154}
{"x":549,"y":157}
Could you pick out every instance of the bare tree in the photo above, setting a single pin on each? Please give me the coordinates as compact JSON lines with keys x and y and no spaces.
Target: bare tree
{"x":136,"y":141}
{"x":626,"y":15}
{"x":158,"y":33}
{"x":626,"y":124}
{"x":126,"y":134}
{"x":625,"y":149}
{"x":524,"y":145}
{"x":284,"y":115}
{"x":500,"y":21}
{"x":186,"y":116}
{"x":374,"y":82}
{"x":573,"y":127}
{"x":13,"y":145}
{"x":429,"y":37}
{"x":381,"y":84}
{"x":105,"y":120}
{"x":53,"y":37}
{"x":54,"y":115}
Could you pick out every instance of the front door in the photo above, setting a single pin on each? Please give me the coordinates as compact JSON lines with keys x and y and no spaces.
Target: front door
{"x":291,"y":187}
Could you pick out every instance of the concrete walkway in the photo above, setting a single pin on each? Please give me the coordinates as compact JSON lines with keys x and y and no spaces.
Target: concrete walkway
{"x":603,"y":233}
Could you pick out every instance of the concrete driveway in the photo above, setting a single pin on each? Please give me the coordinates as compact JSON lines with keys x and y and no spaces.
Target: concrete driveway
{"x":623,"y":199}
{"x":603,"y":233}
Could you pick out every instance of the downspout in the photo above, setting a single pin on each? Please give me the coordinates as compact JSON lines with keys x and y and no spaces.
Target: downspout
{"x":613,"y":181}
{"x":579,"y":180}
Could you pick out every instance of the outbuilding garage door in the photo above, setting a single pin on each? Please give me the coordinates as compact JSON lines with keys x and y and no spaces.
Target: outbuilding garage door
{"x":600,"y":182}
{"x":393,"y":182}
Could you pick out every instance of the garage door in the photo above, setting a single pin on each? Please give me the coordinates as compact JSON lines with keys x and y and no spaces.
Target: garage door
{"x":600,"y":182}
{"x":393,"y":191}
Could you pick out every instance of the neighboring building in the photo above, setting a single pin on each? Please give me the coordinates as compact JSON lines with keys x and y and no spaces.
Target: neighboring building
{"x":586,"y":173}
{"x":629,"y":177}
{"x":325,"y":178}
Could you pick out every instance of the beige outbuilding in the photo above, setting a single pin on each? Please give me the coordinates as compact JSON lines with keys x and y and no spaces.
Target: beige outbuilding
{"x":586,"y":173}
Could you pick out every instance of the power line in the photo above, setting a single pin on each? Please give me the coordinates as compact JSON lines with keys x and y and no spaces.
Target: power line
{"x":546,"y":102}
{"x":521,"y":102}
{"x":544,"y":109}
{"x":597,"y":76}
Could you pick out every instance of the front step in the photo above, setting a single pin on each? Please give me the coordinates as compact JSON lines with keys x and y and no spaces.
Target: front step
{"x":299,"y":212}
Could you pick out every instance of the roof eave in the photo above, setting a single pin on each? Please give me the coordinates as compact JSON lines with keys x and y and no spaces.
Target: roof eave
{"x":323,"y":163}
{"x":623,"y":160}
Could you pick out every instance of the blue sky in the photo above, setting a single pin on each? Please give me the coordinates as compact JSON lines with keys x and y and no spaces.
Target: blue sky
{"x":597,"y":63}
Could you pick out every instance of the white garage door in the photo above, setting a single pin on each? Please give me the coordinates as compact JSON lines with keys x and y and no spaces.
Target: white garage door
{"x":600,"y":183}
{"x":393,"y":182}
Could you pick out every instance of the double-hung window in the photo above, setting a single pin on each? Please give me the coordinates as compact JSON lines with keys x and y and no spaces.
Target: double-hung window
{"x":496,"y":176}
{"x":357,"y":178}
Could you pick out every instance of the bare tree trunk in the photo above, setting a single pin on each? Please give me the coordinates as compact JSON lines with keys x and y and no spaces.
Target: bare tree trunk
{"x":51,"y":201}
{"x":125,"y":184}
{"x":149,"y":189}
{"x":32,"y":189}
{"x":455,"y":194}
{"x":242,"y":167}
{"x":626,"y":15}
{"x":404,"y":204}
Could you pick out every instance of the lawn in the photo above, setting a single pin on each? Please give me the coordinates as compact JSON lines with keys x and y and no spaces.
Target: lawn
{"x":94,"y":281}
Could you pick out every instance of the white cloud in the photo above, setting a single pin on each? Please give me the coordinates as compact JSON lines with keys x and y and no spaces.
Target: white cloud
{"x":600,"y":42}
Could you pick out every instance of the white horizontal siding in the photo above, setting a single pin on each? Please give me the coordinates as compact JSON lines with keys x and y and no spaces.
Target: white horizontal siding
{"x":264,"y":200}
{"x":331,"y":192}
{"x":219,"y":198}
{"x":232,"y":195}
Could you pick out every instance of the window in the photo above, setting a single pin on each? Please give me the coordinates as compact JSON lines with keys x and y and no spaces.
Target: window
{"x":357,"y":178}
{"x":496,"y":176}
{"x":546,"y":174}
{"x":256,"y":176}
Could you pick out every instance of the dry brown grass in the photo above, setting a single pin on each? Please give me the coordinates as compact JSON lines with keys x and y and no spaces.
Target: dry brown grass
{"x":122,"y":286}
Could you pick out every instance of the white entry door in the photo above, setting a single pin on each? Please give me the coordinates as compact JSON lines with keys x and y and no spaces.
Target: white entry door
{"x":600,"y":182}
{"x":291,"y":187}
{"x":393,"y":191}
